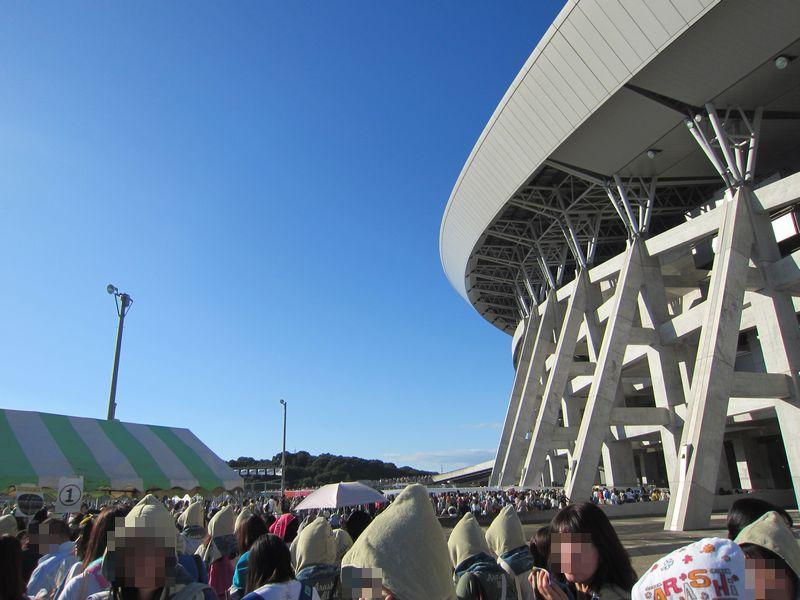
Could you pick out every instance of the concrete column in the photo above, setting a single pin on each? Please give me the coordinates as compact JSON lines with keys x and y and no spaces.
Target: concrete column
{"x":776,"y":321}
{"x":547,"y":416}
{"x":603,"y":391}
{"x":618,"y":464}
{"x":643,"y":468}
{"x":523,"y":365}
{"x":724,"y":479}
{"x":529,"y":400}
{"x":556,"y":467}
{"x":741,"y":463}
{"x":547,"y":474}
{"x":662,"y":360}
{"x":701,"y":443}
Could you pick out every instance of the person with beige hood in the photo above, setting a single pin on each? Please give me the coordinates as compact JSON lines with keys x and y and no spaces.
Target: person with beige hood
{"x":772,"y":558}
{"x":507,"y":541}
{"x":315,"y":559}
{"x":218,"y":551}
{"x":477,"y":574}
{"x":402,"y":552}
{"x":141,"y":561}
{"x":8,"y":525}
{"x":193,"y":527}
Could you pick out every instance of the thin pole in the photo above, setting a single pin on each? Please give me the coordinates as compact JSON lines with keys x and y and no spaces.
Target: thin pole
{"x":112,"y":398}
{"x":283,"y":457}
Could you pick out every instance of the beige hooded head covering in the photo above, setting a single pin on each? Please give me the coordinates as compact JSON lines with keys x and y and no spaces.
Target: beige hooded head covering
{"x":8,"y":525}
{"x":466,"y":540}
{"x":241,"y":518}
{"x":192,"y":516}
{"x":315,"y":545}
{"x":220,"y":528}
{"x":772,"y":532}
{"x":148,"y":519}
{"x":343,"y":543}
{"x":407,"y":543}
{"x":505,"y":533}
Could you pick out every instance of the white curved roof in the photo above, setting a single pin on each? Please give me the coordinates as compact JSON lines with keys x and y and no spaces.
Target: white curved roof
{"x":591,"y":50}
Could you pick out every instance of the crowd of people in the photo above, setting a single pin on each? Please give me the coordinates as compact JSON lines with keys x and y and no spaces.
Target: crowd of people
{"x":163,"y":550}
{"x":488,"y":503}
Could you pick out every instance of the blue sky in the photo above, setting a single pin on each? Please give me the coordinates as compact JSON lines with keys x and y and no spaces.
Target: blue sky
{"x":267,"y":180}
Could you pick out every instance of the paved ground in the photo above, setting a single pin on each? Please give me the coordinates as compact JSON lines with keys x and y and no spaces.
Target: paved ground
{"x":646,"y":540}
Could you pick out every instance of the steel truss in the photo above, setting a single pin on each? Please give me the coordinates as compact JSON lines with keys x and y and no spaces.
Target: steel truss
{"x":563,"y":220}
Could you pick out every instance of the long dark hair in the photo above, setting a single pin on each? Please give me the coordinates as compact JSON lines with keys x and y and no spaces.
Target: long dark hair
{"x":269,"y":562}
{"x":540,"y":547}
{"x":12,"y":585}
{"x":615,"y":563}
{"x":252,"y":529}
{"x":356,"y":522}
{"x":748,"y":510}
{"x":103,"y":523}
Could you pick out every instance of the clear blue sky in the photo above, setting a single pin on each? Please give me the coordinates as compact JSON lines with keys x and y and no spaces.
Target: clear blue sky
{"x":267,"y":181}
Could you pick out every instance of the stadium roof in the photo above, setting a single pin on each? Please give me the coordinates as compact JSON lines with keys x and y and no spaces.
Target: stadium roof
{"x":607,"y":92}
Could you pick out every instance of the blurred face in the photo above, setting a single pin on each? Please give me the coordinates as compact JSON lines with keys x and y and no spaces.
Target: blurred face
{"x":575,"y":556}
{"x":768,"y":580}
{"x":44,"y":540}
{"x":144,"y":562}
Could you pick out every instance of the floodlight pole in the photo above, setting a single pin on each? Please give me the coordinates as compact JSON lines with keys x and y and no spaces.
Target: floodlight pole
{"x":124,"y":302}
{"x":283,"y":456}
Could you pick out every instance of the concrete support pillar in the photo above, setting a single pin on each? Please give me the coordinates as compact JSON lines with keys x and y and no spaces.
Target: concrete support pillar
{"x":701,"y":443}
{"x":523,"y":365}
{"x":546,"y":419}
{"x":640,"y":457}
{"x":741,"y":463}
{"x":724,"y":479}
{"x":528,"y":405}
{"x":603,"y":391}
{"x":618,"y":464}
{"x":556,"y":468}
{"x":662,"y":360}
{"x":547,"y":474}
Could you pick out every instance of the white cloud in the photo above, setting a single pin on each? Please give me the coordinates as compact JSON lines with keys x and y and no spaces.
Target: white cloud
{"x":436,"y":460}
{"x":495,"y":425}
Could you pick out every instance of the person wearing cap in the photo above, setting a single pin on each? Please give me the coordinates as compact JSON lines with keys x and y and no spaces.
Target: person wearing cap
{"x":711,"y":568}
{"x":477,"y":574}
{"x":402,"y":552}
{"x":772,"y":557}
{"x":506,"y":540}
{"x":218,"y":551}
{"x":315,"y":562}
{"x":141,"y":558}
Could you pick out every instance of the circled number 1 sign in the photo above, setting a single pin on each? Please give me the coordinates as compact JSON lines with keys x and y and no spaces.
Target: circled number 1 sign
{"x":70,"y":492}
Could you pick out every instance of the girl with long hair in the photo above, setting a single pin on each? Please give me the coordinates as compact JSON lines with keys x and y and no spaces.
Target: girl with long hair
{"x":586,"y":551}
{"x":270,"y":575}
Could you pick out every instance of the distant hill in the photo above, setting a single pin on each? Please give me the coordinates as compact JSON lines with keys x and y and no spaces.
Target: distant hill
{"x":306,"y":470}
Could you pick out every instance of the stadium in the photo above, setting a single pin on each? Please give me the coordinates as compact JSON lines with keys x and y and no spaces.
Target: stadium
{"x":627,"y":217}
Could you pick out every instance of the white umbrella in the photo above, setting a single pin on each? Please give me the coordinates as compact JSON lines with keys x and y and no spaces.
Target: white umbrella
{"x":337,"y":495}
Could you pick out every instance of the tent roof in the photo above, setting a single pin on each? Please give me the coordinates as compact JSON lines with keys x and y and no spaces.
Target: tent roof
{"x":39,"y":448}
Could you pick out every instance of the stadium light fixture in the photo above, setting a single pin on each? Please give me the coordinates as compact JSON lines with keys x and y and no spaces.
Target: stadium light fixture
{"x":123,"y":302}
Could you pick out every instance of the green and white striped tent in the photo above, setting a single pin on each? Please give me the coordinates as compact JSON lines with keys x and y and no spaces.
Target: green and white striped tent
{"x":36,"y":449}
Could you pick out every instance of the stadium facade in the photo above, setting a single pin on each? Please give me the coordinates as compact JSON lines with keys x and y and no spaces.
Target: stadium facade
{"x":628,"y":217}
